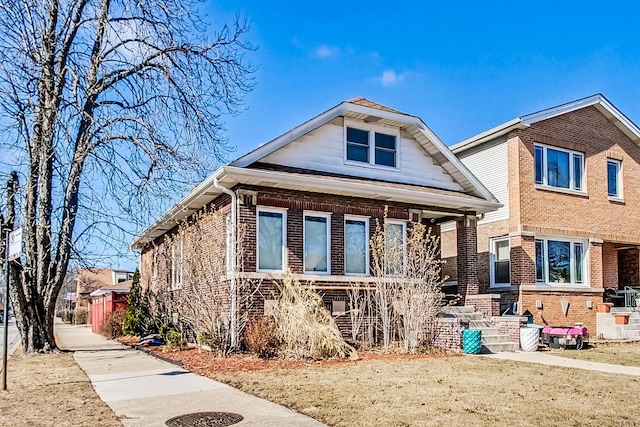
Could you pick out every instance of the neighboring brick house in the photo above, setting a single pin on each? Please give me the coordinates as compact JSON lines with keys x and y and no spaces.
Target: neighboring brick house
{"x":569,"y":181}
{"x":308,"y":201}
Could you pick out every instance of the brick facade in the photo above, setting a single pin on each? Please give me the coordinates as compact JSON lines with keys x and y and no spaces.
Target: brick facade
{"x":211,"y":229}
{"x":610,"y":228}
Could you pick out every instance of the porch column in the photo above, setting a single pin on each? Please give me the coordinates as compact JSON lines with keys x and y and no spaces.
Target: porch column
{"x":467,"y":243}
{"x":596,"y":270}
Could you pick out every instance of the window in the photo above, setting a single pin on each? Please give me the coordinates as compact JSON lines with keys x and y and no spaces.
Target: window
{"x":558,"y":168}
{"x":372,"y":145}
{"x":395,"y":233}
{"x":317,"y":243}
{"x":155,"y":262}
{"x":614,"y":187}
{"x":500,"y":259}
{"x":176,"y":265}
{"x":560,"y":261}
{"x":229,"y":239}
{"x":356,"y":246}
{"x":271,"y":232}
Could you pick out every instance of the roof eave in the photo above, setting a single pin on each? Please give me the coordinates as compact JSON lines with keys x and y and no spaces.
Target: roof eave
{"x":488,"y":135}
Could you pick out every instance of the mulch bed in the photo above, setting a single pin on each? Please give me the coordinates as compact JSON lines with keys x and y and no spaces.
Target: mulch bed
{"x":205,"y":363}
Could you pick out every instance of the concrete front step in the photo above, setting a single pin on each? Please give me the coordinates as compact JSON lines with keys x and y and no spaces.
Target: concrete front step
{"x":456,"y":309}
{"x":492,"y":339}
{"x":497,"y":347}
{"x":480,"y":324}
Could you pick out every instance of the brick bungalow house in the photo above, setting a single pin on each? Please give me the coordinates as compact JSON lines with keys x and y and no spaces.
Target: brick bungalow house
{"x":568,"y":178}
{"x":309,"y":201}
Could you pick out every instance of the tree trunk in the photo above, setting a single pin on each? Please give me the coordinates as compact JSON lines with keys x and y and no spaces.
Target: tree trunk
{"x":36,"y":322}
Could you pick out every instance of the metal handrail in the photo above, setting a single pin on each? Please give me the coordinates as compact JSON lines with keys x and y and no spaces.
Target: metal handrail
{"x":631,"y":296}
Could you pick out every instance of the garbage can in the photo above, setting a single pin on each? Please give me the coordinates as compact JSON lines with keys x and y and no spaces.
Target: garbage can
{"x":471,"y":341}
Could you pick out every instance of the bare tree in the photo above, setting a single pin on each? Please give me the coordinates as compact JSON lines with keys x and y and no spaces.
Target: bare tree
{"x":108,"y":108}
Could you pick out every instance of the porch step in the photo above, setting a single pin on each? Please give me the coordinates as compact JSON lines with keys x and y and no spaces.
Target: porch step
{"x":458,"y":309}
{"x":479,"y":324}
{"x":494,"y":338}
{"x":497,"y":347}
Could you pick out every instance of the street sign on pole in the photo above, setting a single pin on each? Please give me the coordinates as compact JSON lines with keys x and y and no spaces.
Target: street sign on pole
{"x":15,"y":244}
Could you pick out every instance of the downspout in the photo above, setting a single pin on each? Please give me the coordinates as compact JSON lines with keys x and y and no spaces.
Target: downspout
{"x":234,"y":292}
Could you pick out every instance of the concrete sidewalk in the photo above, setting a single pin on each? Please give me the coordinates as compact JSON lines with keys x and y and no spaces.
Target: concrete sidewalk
{"x":552,"y":360}
{"x":145,"y":391}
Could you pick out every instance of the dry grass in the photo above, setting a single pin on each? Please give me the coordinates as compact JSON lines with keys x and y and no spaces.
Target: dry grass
{"x":627,"y":354}
{"x":51,"y":390}
{"x":447,"y":391}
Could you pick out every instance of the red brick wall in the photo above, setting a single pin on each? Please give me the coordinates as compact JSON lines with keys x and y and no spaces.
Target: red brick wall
{"x":551,"y":312}
{"x":609,"y":265}
{"x":551,"y":212}
{"x":487,"y":304}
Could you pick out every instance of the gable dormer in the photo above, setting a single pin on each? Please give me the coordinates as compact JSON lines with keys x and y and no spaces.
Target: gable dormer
{"x":362,"y":139}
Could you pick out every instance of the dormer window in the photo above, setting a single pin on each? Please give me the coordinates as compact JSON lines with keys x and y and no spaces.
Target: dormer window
{"x":372,"y":145}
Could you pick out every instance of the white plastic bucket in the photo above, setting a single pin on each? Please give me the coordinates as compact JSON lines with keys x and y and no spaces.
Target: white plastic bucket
{"x":529,"y":339}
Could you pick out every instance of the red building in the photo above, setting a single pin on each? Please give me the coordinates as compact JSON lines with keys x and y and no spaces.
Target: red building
{"x":107,"y":300}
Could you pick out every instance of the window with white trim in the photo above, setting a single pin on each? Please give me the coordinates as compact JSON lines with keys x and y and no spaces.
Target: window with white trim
{"x":271,"y":239}
{"x":500,"y":262}
{"x":176,"y":265}
{"x":395,"y":247}
{"x":560,"y":261}
{"x":229,"y":241}
{"x":374,"y":145}
{"x":356,"y":246}
{"x":317,"y":242}
{"x":559,"y":168}
{"x":154,"y":260}
{"x":614,"y":178}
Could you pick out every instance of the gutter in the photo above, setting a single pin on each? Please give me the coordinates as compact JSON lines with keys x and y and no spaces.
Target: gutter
{"x":233,"y":261}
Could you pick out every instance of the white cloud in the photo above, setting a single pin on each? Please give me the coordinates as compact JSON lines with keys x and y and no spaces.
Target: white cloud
{"x":324,"y":51}
{"x":390,"y":78}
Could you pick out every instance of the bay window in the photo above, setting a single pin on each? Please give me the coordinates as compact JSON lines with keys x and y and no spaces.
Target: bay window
{"x":271,"y":233}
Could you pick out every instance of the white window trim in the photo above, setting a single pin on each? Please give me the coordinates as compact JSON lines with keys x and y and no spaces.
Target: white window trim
{"x":371,"y":128}
{"x":404,"y":240}
{"x":585,"y":262}
{"x":154,"y":262}
{"x":493,"y":257}
{"x":367,"y":261}
{"x":545,"y":185}
{"x":176,"y":276}
{"x":326,"y":215}
{"x":282,"y":211}
{"x":228,"y":231}
{"x":620,"y":196}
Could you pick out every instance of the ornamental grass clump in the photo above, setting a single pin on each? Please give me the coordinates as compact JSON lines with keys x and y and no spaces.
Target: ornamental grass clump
{"x":305,"y":327}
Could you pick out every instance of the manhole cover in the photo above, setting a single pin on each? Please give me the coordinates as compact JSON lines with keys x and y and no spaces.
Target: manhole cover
{"x":205,"y":419}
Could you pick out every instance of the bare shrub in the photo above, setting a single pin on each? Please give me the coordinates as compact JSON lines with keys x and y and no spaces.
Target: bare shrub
{"x":112,"y":325}
{"x":261,"y":337}
{"x":80,"y":316}
{"x":305,"y":326}
{"x":408,"y":293}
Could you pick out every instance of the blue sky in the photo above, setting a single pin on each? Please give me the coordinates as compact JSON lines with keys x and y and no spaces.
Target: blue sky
{"x":463,"y":67}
